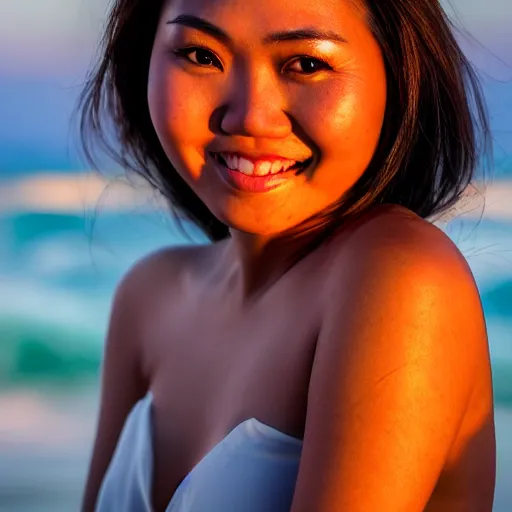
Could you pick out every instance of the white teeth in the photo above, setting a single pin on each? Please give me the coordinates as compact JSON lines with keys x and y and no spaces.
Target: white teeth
{"x":232,"y":161}
{"x":263,"y":169}
{"x":245,"y":166}
{"x":276,"y":167}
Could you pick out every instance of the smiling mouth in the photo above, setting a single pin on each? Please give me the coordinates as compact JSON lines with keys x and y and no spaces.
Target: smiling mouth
{"x":298,"y":168}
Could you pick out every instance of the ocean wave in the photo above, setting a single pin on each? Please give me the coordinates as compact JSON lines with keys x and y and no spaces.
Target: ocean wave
{"x":502,"y":383}
{"x":40,"y":243}
{"x":37,"y":352}
{"x":29,"y":300}
{"x":498,"y":300}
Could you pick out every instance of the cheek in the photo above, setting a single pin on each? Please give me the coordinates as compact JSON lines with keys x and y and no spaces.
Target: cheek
{"x":349,"y":120}
{"x":179,"y":116}
{"x":345,"y":123}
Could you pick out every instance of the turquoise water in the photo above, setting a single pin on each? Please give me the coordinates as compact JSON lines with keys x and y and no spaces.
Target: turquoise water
{"x":58,"y":273}
{"x":57,"y":276}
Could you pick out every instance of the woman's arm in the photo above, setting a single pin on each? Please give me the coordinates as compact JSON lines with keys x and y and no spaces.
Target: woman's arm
{"x":393,"y":374}
{"x":123,"y":380}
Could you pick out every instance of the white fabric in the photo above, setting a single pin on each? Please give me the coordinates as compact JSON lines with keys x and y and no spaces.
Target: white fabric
{"x":253,"y":469}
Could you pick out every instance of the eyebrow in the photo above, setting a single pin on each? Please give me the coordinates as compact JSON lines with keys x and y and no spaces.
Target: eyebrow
{"x":303,"y":34}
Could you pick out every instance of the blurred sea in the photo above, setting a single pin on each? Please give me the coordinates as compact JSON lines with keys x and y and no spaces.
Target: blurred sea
{"x":58,"y":271}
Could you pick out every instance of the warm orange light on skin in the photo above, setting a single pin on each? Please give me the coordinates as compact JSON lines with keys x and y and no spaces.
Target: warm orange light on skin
{"x":257,"y":102}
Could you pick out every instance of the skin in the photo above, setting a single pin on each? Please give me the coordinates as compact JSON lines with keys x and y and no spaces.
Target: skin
{"x":378,"y":357}
{"x":263,"y":100}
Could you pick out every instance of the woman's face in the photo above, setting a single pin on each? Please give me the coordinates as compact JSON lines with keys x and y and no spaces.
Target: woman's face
{"x":278,"y":82}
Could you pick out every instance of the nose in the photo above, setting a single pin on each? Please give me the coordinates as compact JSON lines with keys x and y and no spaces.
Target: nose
{"x":255,"y":107}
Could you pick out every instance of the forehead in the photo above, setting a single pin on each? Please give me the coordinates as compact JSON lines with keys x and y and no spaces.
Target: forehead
{"x":250,"y":15}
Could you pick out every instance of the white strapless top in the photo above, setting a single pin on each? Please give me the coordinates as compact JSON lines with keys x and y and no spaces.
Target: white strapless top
{"x":253,"y":469}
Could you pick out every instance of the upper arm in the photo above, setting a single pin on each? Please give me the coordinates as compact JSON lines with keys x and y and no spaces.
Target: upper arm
{"x":392,"y":375}
{"x":123,"y":380}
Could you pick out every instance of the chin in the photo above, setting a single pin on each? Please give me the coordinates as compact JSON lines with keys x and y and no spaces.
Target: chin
{"x":255,"y":227}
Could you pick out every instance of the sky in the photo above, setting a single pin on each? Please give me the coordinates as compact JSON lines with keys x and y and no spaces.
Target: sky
{"x":46,"y":46}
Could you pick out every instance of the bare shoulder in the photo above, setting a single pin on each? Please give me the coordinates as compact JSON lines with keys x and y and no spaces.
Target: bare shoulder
{"x":390,"y":228}
{"x":392,"y":242}
{"x":394,"y":255}
{"x":149,"y":291}
{"x":158,"y":275}
{"x":400,"y":348}
{"x":157,"y":269}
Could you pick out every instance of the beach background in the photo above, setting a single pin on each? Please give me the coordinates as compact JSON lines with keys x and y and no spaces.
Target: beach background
{"x":67,"y":235}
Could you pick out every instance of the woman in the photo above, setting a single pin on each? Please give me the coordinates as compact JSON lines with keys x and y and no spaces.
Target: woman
{"x":328,"y":351}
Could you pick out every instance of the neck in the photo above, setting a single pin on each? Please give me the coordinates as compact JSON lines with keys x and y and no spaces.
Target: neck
{"x":258,"y":262}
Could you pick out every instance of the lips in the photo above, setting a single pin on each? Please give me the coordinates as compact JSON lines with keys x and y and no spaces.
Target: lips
{"x":252,"y":182}
{"x":255,"y":167}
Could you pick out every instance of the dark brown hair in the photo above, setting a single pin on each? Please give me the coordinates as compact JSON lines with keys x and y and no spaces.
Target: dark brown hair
{"x":434,"y":136}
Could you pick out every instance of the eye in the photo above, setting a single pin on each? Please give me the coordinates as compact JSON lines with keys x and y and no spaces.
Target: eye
{"x":309,"y":65}
{"x":199,"y":56}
